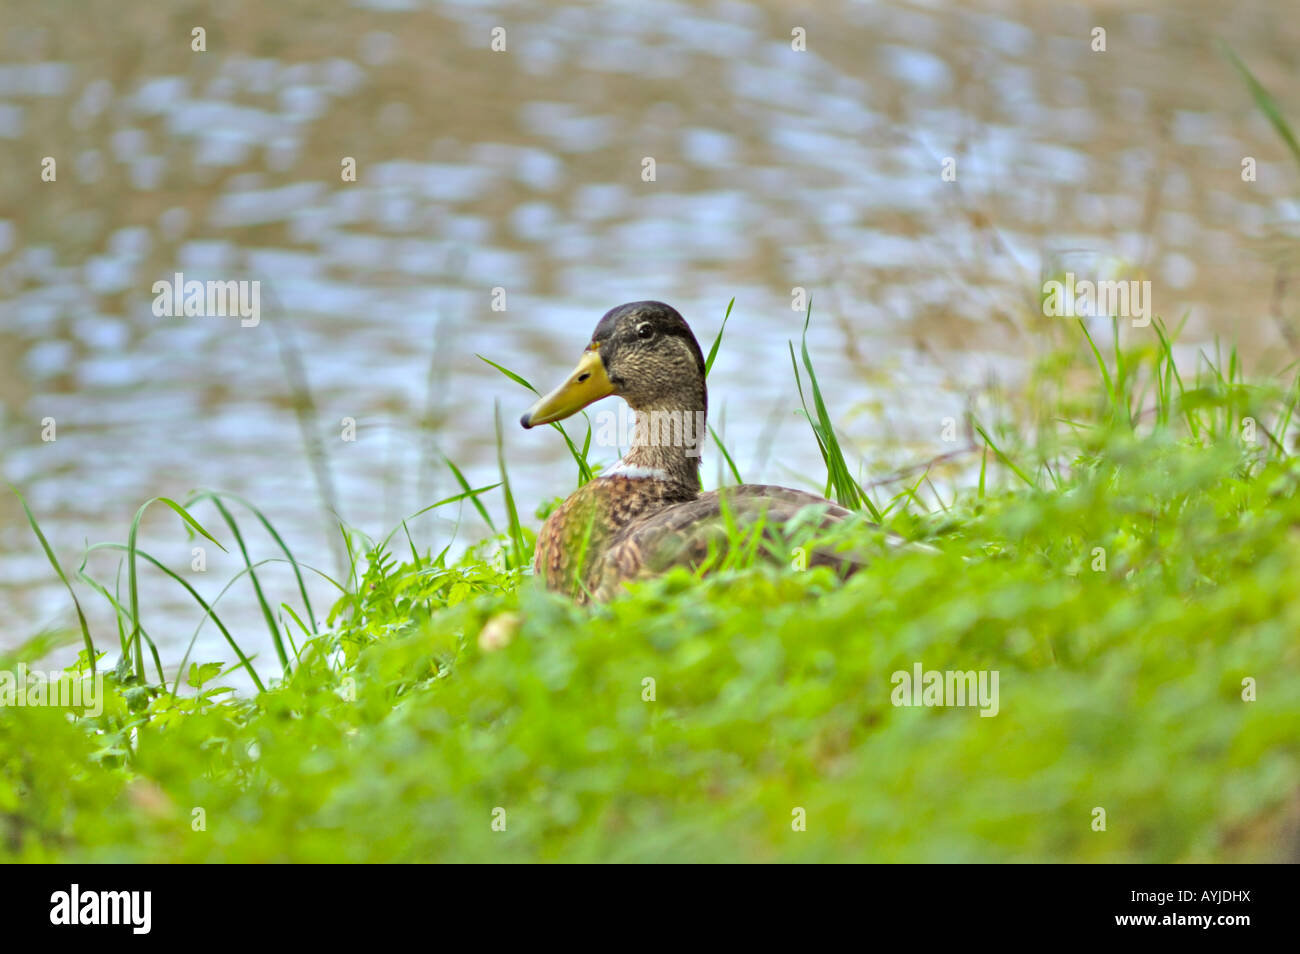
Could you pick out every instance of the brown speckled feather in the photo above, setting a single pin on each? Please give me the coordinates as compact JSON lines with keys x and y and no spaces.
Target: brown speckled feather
{"x":635,"y":528}
{"x":572,"y":544}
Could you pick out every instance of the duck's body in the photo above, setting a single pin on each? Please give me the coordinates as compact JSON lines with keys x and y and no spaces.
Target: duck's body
{"x":642,"y":526}
{"x":646,"y":514}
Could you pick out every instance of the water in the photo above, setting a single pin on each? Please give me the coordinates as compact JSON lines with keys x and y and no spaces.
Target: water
{"x":522,"y":170}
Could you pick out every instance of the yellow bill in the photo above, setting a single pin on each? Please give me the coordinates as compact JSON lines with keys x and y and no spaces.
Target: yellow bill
{"x":587,"y":383}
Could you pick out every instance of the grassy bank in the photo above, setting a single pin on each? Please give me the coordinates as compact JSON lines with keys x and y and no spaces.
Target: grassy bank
{"x":1125,"y":561}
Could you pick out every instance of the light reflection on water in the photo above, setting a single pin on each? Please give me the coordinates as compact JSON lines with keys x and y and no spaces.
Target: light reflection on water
{"x":521,"y":170}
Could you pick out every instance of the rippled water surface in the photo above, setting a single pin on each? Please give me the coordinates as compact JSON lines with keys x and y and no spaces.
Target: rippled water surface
{"x":522,"y":170}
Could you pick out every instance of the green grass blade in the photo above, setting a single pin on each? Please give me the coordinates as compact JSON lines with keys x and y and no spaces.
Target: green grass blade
{"x":518,"y":379}
{"x":1264,"y":101}
{"x":725,"y":456}
{"x":275,"y":536}
{"x":1006,"y":461}
{"x":515,"y":529}
{"x":713,"y":351}
{"x":276,"y":639}
{"x":54,"y":562}
{"x":584,"y":469}
{"x":230,"y":640}
{"x":133,"y":586}
{"x":464,"y":485}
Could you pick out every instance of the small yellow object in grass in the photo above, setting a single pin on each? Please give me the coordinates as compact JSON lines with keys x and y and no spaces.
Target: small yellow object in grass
{"x":150,"y":799}
{"x":499,"y":631}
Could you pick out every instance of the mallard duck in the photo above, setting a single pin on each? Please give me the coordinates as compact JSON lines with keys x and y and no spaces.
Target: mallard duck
{"x":646,"y":513}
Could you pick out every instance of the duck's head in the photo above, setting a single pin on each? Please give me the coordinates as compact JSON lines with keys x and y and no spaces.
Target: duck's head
{"x":645,"y":353}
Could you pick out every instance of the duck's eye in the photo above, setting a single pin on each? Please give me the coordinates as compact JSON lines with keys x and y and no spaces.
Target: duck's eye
{"x":645,"y":330}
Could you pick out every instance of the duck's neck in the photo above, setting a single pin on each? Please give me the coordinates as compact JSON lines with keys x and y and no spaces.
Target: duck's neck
{"x":666,"y":444}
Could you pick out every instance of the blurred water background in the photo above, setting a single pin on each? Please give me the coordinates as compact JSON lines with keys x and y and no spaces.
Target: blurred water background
{"x":522,"y":170}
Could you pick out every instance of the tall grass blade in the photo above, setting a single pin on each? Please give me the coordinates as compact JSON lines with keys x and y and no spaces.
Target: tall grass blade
{"x":208,"y":610}
{"x":515,"y":529}
{"x":731,"y":464}
{"x":54,"y":562}
{"x":1264,"y":101}
{"x":276,"y":639}
{"x":133,"y":586}
{"x":275,"y":536}
{"x":713,"y":351}
{"x":584,"y":469}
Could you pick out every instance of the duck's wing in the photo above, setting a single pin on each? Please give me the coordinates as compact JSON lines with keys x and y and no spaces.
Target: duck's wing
{"x":773,"y":519}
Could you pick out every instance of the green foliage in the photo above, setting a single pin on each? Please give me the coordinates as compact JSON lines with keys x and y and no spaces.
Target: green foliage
{"x":1127,"y":560}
